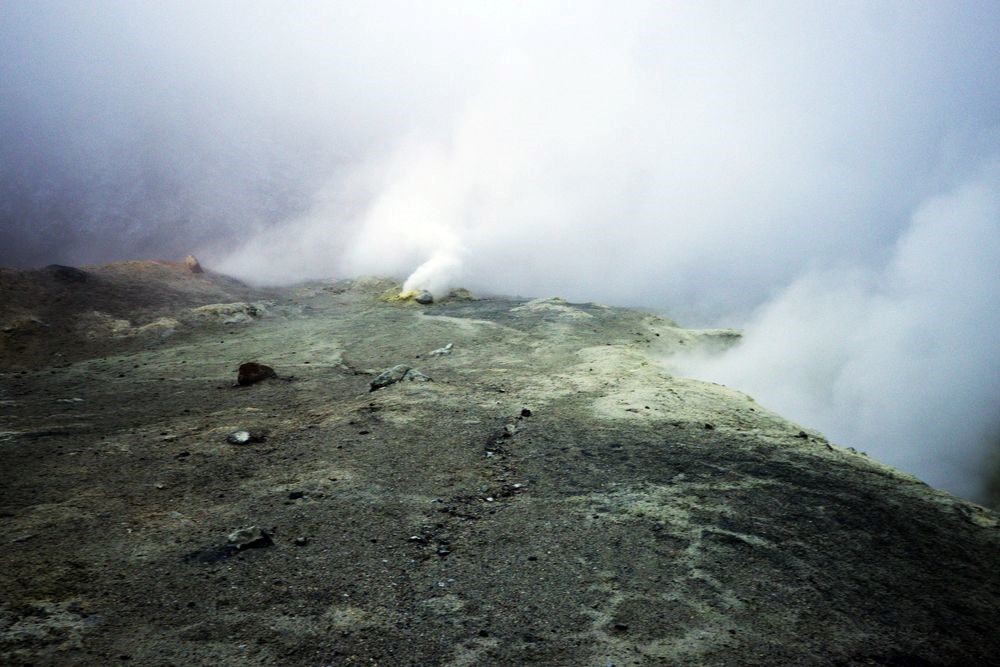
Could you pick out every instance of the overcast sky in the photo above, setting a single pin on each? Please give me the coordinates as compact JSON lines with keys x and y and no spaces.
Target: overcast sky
{"x":809,"y":168}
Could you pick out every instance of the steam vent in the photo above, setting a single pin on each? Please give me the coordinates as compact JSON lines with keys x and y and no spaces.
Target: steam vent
{"x":469,"y":481}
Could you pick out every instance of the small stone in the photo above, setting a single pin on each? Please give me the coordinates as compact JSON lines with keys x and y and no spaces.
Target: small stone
{"x":441,"y":351}
{"x":460,"y":294}
{"x":301,"y":541}
{"x":251,"y":537}
{"x":525,"y":412}
{"x":389,"y":377}
{"x":413,"y":375}
{"x":424,"y":298}
{"x":238,"y":437}
{"x":802,"y":434}
{"x":709,"y":427}
{"x":160,"y":486}
{"x":295,"y":495}
{"x":252,"y":373}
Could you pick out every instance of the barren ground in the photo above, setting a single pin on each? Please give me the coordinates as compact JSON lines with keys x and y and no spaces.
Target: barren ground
{"x":551,"y":497}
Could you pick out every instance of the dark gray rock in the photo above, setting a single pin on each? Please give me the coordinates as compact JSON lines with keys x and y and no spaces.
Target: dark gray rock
{"x":388,"y":377}
{"x":67,"y":274}
{"x":424,"y":298}
{"x":250,"y":537}
{"x":252,"y":373}
{"x":413,"y":375}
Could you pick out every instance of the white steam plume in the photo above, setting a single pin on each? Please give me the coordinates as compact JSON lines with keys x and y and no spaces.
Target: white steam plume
{"x":698,"y":158}
{"x":903,"y":363}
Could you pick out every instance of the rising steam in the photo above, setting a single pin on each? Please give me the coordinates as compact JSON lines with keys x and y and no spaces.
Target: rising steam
{"x":823,"y":174}
{"x":900,"y":362}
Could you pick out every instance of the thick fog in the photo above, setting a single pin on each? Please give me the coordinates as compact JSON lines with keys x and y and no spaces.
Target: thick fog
{"x":823,"y":174}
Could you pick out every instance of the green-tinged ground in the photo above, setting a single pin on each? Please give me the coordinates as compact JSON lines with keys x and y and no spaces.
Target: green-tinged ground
{"x":551,"y":497}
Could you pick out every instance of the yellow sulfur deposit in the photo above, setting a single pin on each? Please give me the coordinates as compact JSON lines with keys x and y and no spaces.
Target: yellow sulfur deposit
{"x":408,"y":295}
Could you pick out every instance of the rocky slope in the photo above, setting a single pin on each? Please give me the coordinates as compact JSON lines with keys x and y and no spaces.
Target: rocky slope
{"x":548,"y":496}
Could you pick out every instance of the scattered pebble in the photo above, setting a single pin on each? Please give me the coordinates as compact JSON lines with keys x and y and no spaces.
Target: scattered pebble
{"x":389,"y":377}
{"x":250,"y":537}
{"x":398,"y":373}
{"x":441,"y":351}
{"x":238,"y":437}
{"x":243,"y":436}
{"x":413,"y":375}
{"x":301,"y":541}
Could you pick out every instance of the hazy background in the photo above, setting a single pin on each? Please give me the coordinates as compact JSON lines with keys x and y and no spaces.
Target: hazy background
{"x":824,"y":174}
